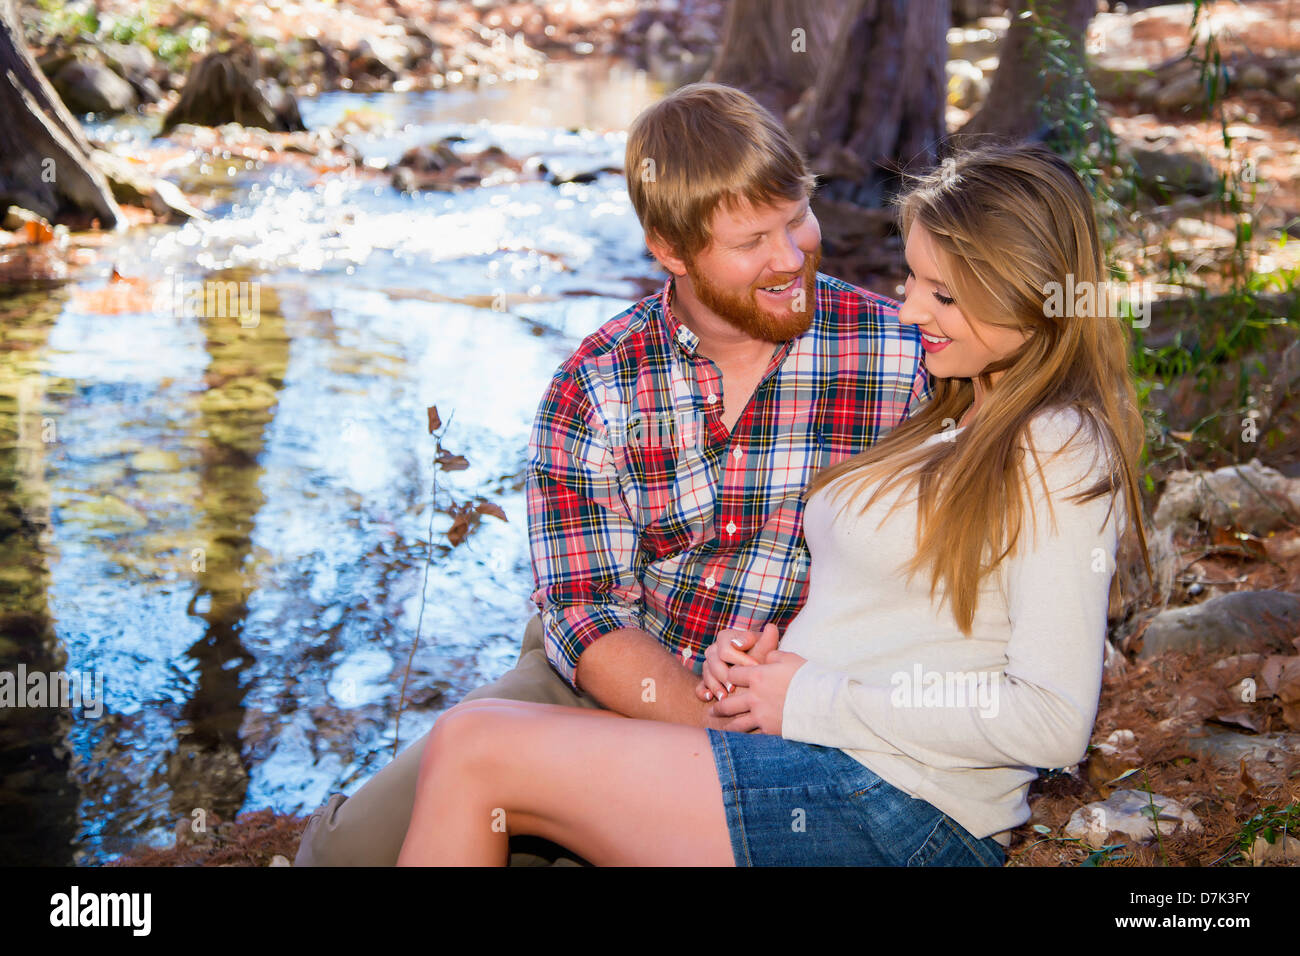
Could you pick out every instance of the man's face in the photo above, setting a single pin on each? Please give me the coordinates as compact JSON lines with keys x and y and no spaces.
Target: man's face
{"x":753,"y":249}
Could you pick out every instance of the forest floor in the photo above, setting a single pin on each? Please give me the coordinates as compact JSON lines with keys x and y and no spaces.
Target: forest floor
{"x":1166,"y":703}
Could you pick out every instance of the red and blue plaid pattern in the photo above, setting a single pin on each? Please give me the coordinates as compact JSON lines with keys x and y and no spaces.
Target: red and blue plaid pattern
{"x":643,"y":511}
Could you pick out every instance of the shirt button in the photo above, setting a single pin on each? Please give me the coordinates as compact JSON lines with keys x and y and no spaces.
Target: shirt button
{"x":731,"y":527}
{"x":736,"y":453}
{"x":709,"y":582}
{"x":711,"y":398}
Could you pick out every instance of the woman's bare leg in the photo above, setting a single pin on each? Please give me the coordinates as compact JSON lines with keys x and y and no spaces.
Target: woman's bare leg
{"x":616,"y":791}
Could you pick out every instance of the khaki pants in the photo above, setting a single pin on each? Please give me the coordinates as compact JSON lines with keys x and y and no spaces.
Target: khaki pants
{"x":367,"y":828}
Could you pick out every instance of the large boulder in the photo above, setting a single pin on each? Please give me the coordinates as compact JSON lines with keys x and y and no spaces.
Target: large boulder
{"x":1237,"y":623}
{"x":1126,"y":815}
{"x":1161,"y":173}
{"x":87,"y":87}
{"x":135,"y":64}
{"x":1250,"y":497}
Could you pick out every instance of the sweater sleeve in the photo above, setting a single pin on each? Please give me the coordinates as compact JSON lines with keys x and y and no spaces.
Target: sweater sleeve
{"x":1038,"y":711}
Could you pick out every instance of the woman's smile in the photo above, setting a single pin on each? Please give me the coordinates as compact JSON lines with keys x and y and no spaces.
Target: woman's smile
{"x":934,"y":343}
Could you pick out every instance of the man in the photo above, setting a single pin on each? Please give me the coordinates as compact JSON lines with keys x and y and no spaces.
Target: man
{"x":669,"y":452}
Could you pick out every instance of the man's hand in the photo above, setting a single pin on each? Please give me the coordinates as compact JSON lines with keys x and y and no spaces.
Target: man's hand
{"x":759,"y":700}
{"x":733,"y":647}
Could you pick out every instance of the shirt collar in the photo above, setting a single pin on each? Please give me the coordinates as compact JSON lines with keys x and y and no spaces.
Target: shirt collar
{"x":686,"y":340}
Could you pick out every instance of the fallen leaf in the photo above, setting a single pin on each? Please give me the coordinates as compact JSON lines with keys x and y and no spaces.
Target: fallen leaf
{"x":38,"y":232}
{"x":1239,"y":542}
{"x":1246,"y":785}
{"x":1253,"y":721}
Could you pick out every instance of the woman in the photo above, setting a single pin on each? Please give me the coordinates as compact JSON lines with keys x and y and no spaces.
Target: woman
{"x":897,"y":724}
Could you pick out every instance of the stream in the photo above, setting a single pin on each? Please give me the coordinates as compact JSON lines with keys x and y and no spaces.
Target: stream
{"x":221,"y":530}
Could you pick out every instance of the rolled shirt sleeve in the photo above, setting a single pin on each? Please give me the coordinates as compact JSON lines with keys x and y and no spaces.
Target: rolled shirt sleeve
{"x":582,"y":539}
{"x":922,"y":392}
{"x":1056,"y":589}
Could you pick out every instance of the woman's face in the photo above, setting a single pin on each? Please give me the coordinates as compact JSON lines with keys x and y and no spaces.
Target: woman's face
{"x":956,"y":346}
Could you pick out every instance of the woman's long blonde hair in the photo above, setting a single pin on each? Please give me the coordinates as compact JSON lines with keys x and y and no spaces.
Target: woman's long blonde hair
{"x":1005,"y":222}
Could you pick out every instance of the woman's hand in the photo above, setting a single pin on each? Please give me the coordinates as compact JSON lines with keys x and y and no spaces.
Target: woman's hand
{"x":759,"y":700}
{"x":733,"y":647}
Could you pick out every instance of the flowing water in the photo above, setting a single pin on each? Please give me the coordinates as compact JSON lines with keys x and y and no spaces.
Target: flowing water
{"x":218,"y":526}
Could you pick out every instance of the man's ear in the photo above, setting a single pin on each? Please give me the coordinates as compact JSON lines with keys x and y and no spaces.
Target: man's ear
{"x":665,"y":254}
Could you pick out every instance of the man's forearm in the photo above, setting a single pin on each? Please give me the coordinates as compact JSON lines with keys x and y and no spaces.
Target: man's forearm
{"x":631,"y":673}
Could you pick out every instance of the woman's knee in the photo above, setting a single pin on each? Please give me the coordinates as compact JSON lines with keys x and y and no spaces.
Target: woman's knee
{"x":468,"y":736}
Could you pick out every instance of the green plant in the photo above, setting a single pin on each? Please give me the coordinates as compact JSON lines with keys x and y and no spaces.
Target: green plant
{"x":1079,"y":128}
{"x":1269,"y":823}
{"x":1107,"y":854}
{"x":1153,"y":811}
{"x":81,"y":22}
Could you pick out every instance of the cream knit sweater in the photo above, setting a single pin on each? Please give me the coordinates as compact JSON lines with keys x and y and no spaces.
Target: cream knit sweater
{"x":961,"y":722}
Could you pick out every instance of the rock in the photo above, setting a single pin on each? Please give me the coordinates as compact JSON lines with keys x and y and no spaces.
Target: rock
{"x":1240,"y":622}
{"x":1180,"y":91}
{"x":1126,"y":814}
{"x":1252,"y":77}
{"x":17,"y":218}
{"x":279,"y":860}
{"x":1160,"y":172}
{"x":135,"y":187}
{"x":93,"y":88}
{"x":136,"y":65}
{"x":1147,"y":91}
{"x":1227,"y":748}
{"x":1285,"y":849}
{"x":1251,"y":498}
{"x":560,"y":169}
{"x":967,"y":87}
{"x":1111,"y":759}
{"x":1289,"y":88}
{"x":367,"y":60}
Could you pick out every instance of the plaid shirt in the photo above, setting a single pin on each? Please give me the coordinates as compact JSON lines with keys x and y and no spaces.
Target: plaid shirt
{"x":645,"y":512}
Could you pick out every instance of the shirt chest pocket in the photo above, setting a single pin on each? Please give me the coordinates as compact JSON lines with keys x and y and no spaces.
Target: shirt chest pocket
{"x":682,"y":515}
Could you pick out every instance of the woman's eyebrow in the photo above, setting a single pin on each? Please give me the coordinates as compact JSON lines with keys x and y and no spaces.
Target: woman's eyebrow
{"x":918,"y":275}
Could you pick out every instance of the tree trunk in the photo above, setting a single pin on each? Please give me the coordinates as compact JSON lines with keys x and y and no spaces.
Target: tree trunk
{"x":44,"y":156}
{"x":1026,"y":78}
{"x":878,"y":105}
{"x":773,"y":49}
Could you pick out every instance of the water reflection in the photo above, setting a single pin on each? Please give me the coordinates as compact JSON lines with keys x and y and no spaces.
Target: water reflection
{"x":237,"y":515}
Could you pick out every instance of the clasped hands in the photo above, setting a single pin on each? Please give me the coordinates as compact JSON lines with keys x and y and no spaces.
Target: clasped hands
{"x":746,"y":677}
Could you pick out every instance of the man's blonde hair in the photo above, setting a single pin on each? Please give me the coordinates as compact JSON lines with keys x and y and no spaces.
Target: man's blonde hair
{"x":703,"y":146}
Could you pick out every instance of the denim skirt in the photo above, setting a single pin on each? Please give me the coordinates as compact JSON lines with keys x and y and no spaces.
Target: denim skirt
{"x":795,"y":804}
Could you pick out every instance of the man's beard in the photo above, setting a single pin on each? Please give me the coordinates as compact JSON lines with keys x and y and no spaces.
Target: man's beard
{"x":746,"y":313}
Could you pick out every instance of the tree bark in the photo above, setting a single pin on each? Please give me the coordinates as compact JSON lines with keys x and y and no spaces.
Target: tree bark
{"x":44,"y":156}
{"x":1026,"y":78}
{"x":878,"y":104}
{"x":763,"y":54}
